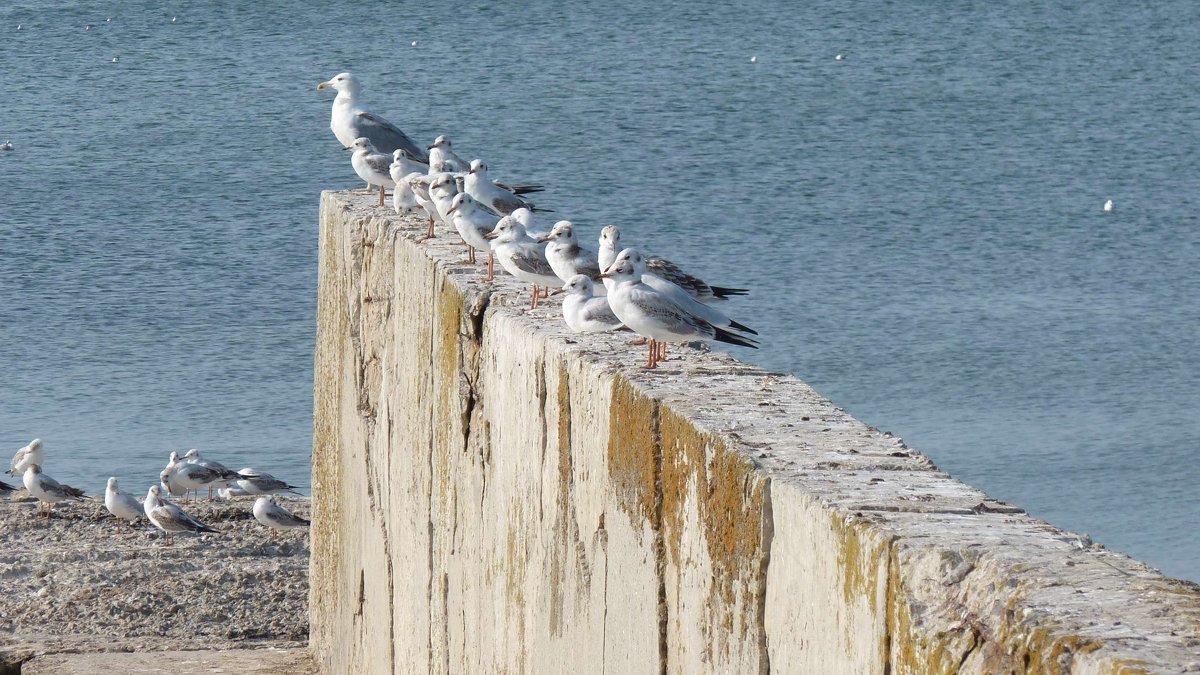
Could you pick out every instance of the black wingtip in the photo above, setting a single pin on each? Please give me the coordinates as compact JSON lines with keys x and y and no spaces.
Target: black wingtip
{"x":722,"y":292}
{"x":541,"y":210}
{"x":742,"y":327}
{"x":734,"y":339}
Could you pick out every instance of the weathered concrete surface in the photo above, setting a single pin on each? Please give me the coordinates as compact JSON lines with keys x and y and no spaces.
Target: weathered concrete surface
{"x":234,"y":661}
{"x":492,"y":494}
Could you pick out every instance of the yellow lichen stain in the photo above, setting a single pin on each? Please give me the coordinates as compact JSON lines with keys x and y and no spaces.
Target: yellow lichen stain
{"x":631,"y":461}
{"x":730,"y":509}
{"x":1128,"y":667}
{"x":861,"y":554}
{"x":562,"y":546}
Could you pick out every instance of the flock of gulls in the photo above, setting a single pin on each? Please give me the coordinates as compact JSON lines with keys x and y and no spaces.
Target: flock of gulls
{"x":182,"y":475}
{"x":607,"y":289}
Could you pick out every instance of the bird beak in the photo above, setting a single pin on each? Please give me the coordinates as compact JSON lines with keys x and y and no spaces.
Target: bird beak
{"x":606,"y":275}
{"x":348,"y":148}
{"x":323,"y":85}
{"x":559,"y":291}
{"x":490,"y":236}
{"x":544,"y":237}
{"x":431,"y":147}
{"x":452,"y":209}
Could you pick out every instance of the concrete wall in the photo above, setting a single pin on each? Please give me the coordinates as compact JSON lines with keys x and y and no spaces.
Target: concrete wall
{"x":493,"y":494}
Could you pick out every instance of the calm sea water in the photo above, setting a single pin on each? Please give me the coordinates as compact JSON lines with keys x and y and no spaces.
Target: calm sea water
{"x":920,"y":222}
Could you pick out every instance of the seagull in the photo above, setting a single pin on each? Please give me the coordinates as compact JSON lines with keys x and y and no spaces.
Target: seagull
{"x":255,"y":482}
{"x":274,"y":516}
{"x":350,"y":121}
{"x":839,"y":57}
{"x":522,"y":256}
{"x":441,"y":192}
{"x":443,"y":157}
{"x":188,"y":476}
{"x":1108,"y":206}
{"x":47,"y":490}
{"x":583,"y":312}
{"x":473,"y":224}
{"x":676,"y":294}
{"x":25,"y":457}
{"x":168,"y":517}
{"x":566,"y":257}
{"x":371,"y":165}
{"x":610,"y":239}
{"x":121,"y":505}
{"x":193,"y":457}
{"x":231,"y":492}
{"x":419,"y":184}
{"x":657,"y":316}
{"x":400,"y":169}
{"x":491,"y":195}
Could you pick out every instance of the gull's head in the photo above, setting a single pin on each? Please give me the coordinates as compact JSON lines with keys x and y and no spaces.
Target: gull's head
{"x":154,"y":492}
{"x":174,"y":456}
{"x":630,"y":258}
{"x":34,"y":445}
{"x":162,"y":476}
{"x":579,"y":284}
{"x":562,"y":232}
{"x":362,"y":144}
{"x":523,"y":216}
{"x":442,"y":181}
{"x":399,"y":154}
{"x":441,"y":142}
{"x":112,"y":484}
{"x":341,"y":83}
{"x":507,"y":229}
{"x":192,"y":454}
{"x":610,"y":236}
{"x":477,"y":166}
{"x":619,"y":271}
{"x":457,"y":202}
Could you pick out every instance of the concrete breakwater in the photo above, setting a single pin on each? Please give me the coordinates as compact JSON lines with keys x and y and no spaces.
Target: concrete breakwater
{"x":495,"y":494}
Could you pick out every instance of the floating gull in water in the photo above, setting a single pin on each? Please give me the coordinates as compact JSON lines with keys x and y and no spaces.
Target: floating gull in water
{"x":610,"y":240}
{"x":1108,"y":206}
{"x":121,"y":505}
{"x":371,"y":165}
{"x":47,"y":490}
{"x":523,"y":257}
{"x":26,"y":457}
{"x":753,"y":59}
{"x":442,"y":157}
{"x":657,"y":316}
{"x":473,"y":224}
{"x":491,"y":195}
{"x":7,"y":145}
{"x":566,"y":257}
{"x":583,"y":312}
{"x":350,"y":121}
{"x":168,"y":517}
{"x":274,"y":516}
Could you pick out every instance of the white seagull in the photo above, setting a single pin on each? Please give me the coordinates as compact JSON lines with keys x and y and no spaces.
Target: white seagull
{"x":350,"y":121}
{"x":583,"y":312}
{"x":610,"y":240}
{"x":657,"y":316}
{"x":121,"y":505}
{"x":47,"y":490}
{"x":6,"y":146}
{"x":256,"y":482}
{"x":27,"y":456}
{"x":168,"y":517}
{"x":442,"y":189}
{"x":274,"y":516}
{"x":401,"y":168}
{"x":491,"y":195}
{"x":473,"y":224}
{"x":566,"y":257}
{"x":442,"y":157}
{"x":1108,"y":206}
{"x":522,"y":256}
{"x":371,"y":165}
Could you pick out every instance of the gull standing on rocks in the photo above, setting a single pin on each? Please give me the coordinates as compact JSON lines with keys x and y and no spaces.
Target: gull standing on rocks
{"x":350,"y":121}
{"x":47,"y":490}
{"x":523,"y":257}
{"x":274,"y":516}
{"x":121,"y":505}
{"x":256,"y":482}
{"x":658,"y":317}
{"x":583,"y":312}
{"x":371,"y":165}
{"x":168,"y":517}
{"x":401,"y":168}
{"x":566,"y":257}
{"x":166,"y":477}
{"x":473,"y":224}
{"x":193,"y":456}
{"x":442,"y":157}
{"x":25,"y":457}
{"x":610,"y":240}
{"x":486,"y":192}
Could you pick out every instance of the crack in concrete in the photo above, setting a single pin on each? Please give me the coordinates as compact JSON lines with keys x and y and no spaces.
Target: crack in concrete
{"x":660,"y":548}
{"x":760,"y":613}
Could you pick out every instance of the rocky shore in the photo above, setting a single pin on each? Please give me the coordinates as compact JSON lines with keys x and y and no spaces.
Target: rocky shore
{"x":73,"y":583}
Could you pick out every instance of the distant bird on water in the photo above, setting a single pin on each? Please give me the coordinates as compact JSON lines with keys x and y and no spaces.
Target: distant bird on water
{"x":351,"y":121}
{"x":1108,"y":206}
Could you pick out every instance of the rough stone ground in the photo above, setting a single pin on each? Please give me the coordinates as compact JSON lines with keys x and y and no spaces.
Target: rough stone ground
{"x":75,"y":584}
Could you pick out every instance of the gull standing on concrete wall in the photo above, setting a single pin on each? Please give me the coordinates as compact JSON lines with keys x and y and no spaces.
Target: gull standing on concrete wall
{"x":491,"y":195}
{"x":473,"y":224}
{"x":583,"y":311}
{"x":371,"y":165}
{"x":658,"y":316}
{"x":402,"y":167}
{"x":442,"y":157}
{"x":610,"y":240}
{"x":566,"y":257}
{"x":522,"y":256}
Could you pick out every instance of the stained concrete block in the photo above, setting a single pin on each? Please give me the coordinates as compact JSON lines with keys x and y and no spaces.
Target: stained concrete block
{"x":494,"y":494}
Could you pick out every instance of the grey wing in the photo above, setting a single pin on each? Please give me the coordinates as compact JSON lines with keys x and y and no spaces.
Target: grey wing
{"x":17,"y":458}
{"x":591,"y":268}
{"x":671,"y":315}
{"x":599,"y":310}
{"x":508,"y":202}
{"x":380,"y":163}
{"x":671,"y":272}
{"x":287,"y":518}
{"x":532,"y":259}
{"x":387,"y":137}
{"x":56,"y":488}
